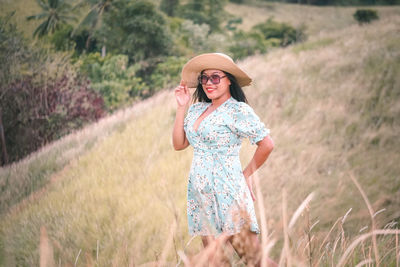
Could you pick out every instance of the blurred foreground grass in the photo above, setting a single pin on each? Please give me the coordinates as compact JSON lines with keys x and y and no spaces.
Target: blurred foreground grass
{"x":333,"y":108}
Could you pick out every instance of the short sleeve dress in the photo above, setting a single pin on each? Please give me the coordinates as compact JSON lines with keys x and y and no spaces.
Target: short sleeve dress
{"x":217,"y":191}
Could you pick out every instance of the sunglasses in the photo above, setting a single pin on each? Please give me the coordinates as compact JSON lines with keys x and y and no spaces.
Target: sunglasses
{"x":215,"y":79}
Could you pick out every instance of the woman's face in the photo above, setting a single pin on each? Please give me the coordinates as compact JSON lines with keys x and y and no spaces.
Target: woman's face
{"x":216,"y":91}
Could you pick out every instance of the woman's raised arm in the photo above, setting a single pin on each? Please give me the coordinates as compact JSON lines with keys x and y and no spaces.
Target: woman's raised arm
{"x":182,"y":96}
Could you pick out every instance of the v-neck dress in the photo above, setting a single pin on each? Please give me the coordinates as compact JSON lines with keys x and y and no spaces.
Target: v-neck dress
{"x":217,"y":190}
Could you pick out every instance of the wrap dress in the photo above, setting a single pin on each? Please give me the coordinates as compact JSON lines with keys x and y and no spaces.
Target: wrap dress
{"x":217,"y":191}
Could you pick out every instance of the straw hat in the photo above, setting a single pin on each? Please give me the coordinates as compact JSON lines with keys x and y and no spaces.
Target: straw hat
{"x":219,"y":61}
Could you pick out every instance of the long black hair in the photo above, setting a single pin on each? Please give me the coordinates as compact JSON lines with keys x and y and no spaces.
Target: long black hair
{"x":234,"y":88}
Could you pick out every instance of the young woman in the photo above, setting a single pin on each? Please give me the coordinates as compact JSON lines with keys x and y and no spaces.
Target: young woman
{"x":218,"y":189}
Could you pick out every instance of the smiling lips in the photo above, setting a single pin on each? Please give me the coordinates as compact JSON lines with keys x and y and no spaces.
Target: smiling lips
{"x":210,"y":90}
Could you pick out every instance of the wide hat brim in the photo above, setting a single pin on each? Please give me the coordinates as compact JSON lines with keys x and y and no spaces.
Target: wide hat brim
{"x":192,"y":69}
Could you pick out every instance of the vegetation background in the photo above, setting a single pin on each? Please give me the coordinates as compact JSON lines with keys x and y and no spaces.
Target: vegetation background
{"x":89,"y":93}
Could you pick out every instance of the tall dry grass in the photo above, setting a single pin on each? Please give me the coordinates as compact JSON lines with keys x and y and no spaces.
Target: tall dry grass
{"x":20,"y":179}
{"x":317,"y":19}
{"x":332,"y":106}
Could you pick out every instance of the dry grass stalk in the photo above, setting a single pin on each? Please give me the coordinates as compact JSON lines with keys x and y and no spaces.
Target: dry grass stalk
{"x":250,"y":252}
{"x":387,"y":253}
{"x":285,"y":254}
{"x":364,"y":262}
{"x":45,"y":249}
{"x":371,"y":212}
{"x":309,"y":237}
{"x":77,"y":257}
{"x":184,"y":258}
{"x":264,"y":229}
{"x":343,"y":238}
{"x":341,"y":220}
{"x":300,"y":209}
{"x":334,"y":250}
{"x":327,"y":236}
{"x":168,"y":244}
{"x":397,"y":250}
{"x":213,"y":255}
{"x":361,"y":238}
{"x":89,"y":260}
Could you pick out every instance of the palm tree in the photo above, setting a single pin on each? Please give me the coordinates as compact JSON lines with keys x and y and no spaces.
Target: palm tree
{"x":55,"y":13}
{"x":93,"y":17}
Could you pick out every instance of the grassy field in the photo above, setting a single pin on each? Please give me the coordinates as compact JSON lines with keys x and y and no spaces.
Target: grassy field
{"x":316,"y":19}
{"x":332,"y":104}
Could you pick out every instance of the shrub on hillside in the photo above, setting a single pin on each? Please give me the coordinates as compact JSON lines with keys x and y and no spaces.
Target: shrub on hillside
{"x":363,"y":16}
{"x":37,"y":110}
{"x":42,"y":97}
{"x":246,"y":44}
{"x":167,"y":73}
{"x":264,"y":36}
{"x":113,"y":78}
{"x":282,"y":31}
{"x":231,"y":25}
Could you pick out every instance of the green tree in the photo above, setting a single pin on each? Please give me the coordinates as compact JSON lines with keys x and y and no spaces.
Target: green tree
{"x":169,"y":7}
{"x":92,"y":19}
{"x":209,"y":12}
{"x":136,"y":29}
{"x":54,"y":13}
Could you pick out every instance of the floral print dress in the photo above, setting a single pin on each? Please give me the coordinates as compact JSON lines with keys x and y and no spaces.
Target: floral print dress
{"x":217,"y":190}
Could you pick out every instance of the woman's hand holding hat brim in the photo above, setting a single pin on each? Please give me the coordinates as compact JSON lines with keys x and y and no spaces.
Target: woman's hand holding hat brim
{"x":182,"y":94}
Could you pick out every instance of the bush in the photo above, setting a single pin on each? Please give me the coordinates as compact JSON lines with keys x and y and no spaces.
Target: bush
{"x":42,"y":97}
{"x":282,"y":31}
{"x":363,"y":16}
{"x":167,"y":73}
{"x":37,"y":111}
{"x":195,"y":36}
{"x":231,"y":25}
{"x":264,"y":36}
{"x":247,"y":44}
{"x":112,"y":78}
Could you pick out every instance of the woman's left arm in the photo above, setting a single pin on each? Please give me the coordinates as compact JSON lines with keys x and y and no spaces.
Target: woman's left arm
{"x":264,"y":148}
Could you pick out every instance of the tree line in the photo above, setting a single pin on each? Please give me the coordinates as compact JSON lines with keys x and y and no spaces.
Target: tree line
{"x":331,"y":2}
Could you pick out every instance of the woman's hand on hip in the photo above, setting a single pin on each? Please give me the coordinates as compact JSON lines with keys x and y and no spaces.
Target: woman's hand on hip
{"x":249,"y":181}
{"x":182,"y":94}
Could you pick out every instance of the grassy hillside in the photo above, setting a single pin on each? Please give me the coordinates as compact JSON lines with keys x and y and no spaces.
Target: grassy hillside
{"x":316,"y":19}
{"x":333,"y":108}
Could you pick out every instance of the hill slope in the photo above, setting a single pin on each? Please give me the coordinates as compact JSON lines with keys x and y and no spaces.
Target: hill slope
{"x":333,"y":108}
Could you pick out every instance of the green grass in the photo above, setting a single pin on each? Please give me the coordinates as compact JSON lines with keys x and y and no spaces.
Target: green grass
{"x":333,"y":110}
{"x":313,"y":45}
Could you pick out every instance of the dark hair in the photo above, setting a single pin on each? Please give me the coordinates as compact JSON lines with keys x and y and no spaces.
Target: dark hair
{"x":234,"y":88}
